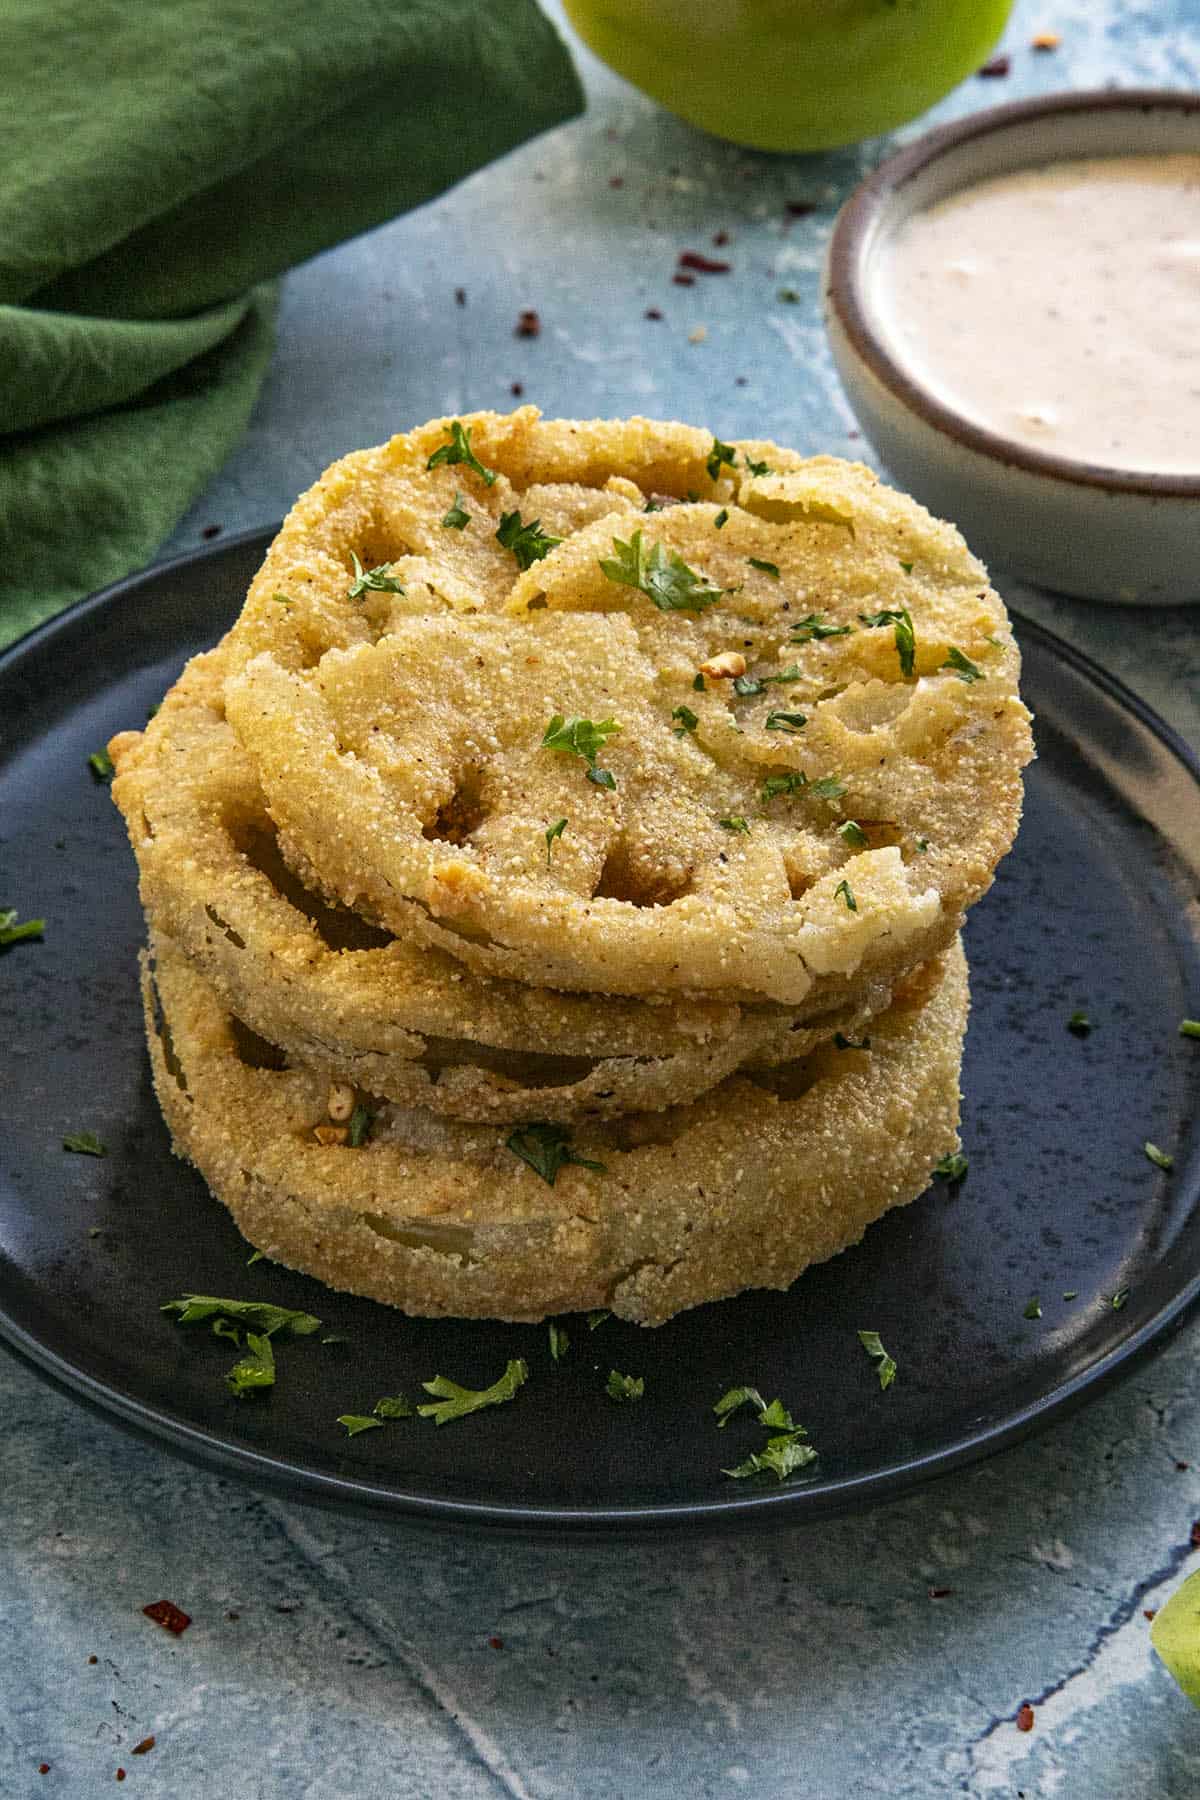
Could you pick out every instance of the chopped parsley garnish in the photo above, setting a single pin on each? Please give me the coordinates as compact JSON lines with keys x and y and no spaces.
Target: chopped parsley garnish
{"x":886,"y":1370}
{"x":560,"y":1343}
{"x":786,"y":721}
{"x":952,"y":1168}
{"x":722,"y":518}
{"x":1071,"y":1294}
{"x":853,"y":834}
{"x":662,"y":576}
{"x":624,"y":1387}
{"x":195,"y":1309}
{"x":1079,"y":1023}
{"x":12,"y":933}
{"x":457,"y":518}
{"x":841,"y":1042}
{"x":101,"y":765}
{"x":907,"y":567}
{"x":393,"y":1406}
{"x":582,"y":737}
{"x":85,"y":1143}
{"x":906,"y":638}
{"x":782,"y":1457}
{"x":793,"y":782}
{"x":720,"y":453}
{"x":804,"y":631}
{"x":687,"y":720}
{"x":1158,"y":1157}
{"x":735,"y":822}
{"x":254,"y":1256}
{"x":378,"y":580}
{"x":546,"y":1148}
{"x":1033,"y":1308}
{"x":921,"y":845}
{"x":597,"y":1318}
{"x":1189,"y":1028}
{"x":361,"y":1121}
{"x":788,"y":296}
{"x":1119,"y":1298}
{"x":455,"y":1402}
{"x":827,"y":787}
{"x":757,"y":468}
{"x":280,"y":600}
{"x":748,"y":685}
{"x":844,"y":891}
{"x":255,"y":1370}
{"x":528,"y":543}
{"x":553,"y":831}
{"x":962,"y":665}
{"x":698,"y":684}
{"x":768,"y":568}
{"x":356,"y":1422}
{"x":729,"y":1403}
{"x":458,"y":450}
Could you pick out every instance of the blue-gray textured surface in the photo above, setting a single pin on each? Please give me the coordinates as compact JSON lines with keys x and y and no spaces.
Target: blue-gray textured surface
{"x":328,"y":1658}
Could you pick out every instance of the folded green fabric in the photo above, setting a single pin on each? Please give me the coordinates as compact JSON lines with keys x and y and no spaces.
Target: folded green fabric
{"x":160,"y":163}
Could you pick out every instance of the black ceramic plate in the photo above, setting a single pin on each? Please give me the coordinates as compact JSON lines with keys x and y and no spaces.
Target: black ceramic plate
{"x":1095,"y":908}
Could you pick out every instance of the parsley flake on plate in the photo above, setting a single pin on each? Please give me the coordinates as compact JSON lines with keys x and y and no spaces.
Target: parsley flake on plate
{"x":1032,"y":1308}
{"x":378,"y":580}
{"x":827,"y":787}
{"x":577,"y":736}
{"x":254,"y":1371}
{"x":736,"y":1397}
{"x":718,"y":455}
{"x":560,"y":1343}
{"x":1158,"y":1157}
{"x":624,"y":1387}
{"x":1079,"y":1023}
{"x":843,"y":891}
{"x":1119,"y":1298}
{"x":813,"y":629}
{"x":1189,"y":1028}
{"x":456,"y":518}
{"x":393,"y":1406}
{"x":962,"y":665}
{"x":553,"y":831}
{"x":85,"y":1143}
{"x":454,"y":1402}
{"x":767,"y":568}
{"x":356,"y":1422}
{"x":195,"y":1309}
{"x":952,"y":1168}
{"x":101,"y":765}
{"x":786,"y":721}
{"x":458,"y":450}
{"x":528,"y":543}
{"x":12,"y":933}
{"x":597,"y":1318}
{"x":900,"y":619}
{"x":853,"y":834}
{"x":782,"y":1457}
{"x":546,"y":1148}
{"x":886,"y":1369}
{"x":687,"y":720}
{"x":661,"y":575}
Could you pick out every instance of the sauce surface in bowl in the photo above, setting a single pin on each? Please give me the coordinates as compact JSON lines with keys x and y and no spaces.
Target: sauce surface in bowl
{"x":1060,"y":306}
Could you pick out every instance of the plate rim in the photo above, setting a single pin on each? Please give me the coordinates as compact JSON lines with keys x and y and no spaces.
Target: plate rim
{"x":781,"y":1506}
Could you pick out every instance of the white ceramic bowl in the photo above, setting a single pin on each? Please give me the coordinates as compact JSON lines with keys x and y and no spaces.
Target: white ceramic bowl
{"x":1101,"y":533}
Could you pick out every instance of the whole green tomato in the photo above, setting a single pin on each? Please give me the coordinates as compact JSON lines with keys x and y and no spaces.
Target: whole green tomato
{"x":792,"y":74}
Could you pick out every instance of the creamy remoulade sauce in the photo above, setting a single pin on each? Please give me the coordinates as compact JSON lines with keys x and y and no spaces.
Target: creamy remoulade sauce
{"x":1060,"y":306}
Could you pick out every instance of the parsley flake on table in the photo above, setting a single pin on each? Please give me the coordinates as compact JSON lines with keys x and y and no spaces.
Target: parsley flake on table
{"x":1032,"y":1308}
{"x":356,"y":1422}
{"x":952,"y":1168}
{"x":454,"y":1402}
{"x":735,"y":822}
{"x":687,"y":720}
{"x":85,"y":1143}
{"x":813,"y":629}
{"x":553,"y":831}
{"x":782,"y":1457}
{"x":662,"y":576}
{"x":900,"y":619}
{"x":1189,"y":1028}
{"x":624,"y":1387}
{"x":361,"y":1121}
{"x":378,"y":580}
{"x":101,"y":765}
{"x":546,"y":1148}
{"x":456,"y":518}
{"x":853,"y":834}
{"x":1079,"y":1023}
{"x":12,"y":933}
{"x":254,"y":1371}
{"x":767,"y":568}
{"x":786,"y":721}
{"x":195,"y":1309}
{"x":718,"y":455}
{"x":886,"y":1369}
{"x":843,"y":891}
{"x":962,"y":665}
{"x":528,"y":543}
{"x":458,"y":450}
{"x":560,"y":1343}
{"x":1158,"y":1157}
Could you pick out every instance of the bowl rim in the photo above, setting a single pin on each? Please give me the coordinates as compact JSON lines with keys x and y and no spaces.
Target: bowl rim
{"x":845,"y":285}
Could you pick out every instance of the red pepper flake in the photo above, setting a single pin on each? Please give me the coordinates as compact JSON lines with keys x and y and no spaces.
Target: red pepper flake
{"x":1149,"y":1612}
{"x":720,"y":239}
{"x":740,"y":380}
{"x":996,"y":69}
{"x":518,"y":388}
{"x":1045,"y":40}
{"x":1195,"y":1536}
{"x":171,"y":1617}
{"x":211,"y":531}
{"x":1025,"y":1717}
{"x":496,"y":1643}
{"x":93,"y":1659}
{"x":801,"y":209}
{"x":43,"y":1768}
{"x":683,"y":280}
{"x":1182,"y":1467}
{"x":146,"y":1744}
{"x":234,"y":1617}
{"x":652,"y":312}
{"x":703,"y":265}
{"x":940,"y":1593}
{"x":460,"y":296}
{"x":120,"y":1774}
{"x":616,"y":181}
{"x":528,"y":323}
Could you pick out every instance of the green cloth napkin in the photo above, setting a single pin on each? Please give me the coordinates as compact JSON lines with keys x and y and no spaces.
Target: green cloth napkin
{"x":161,"y":161}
